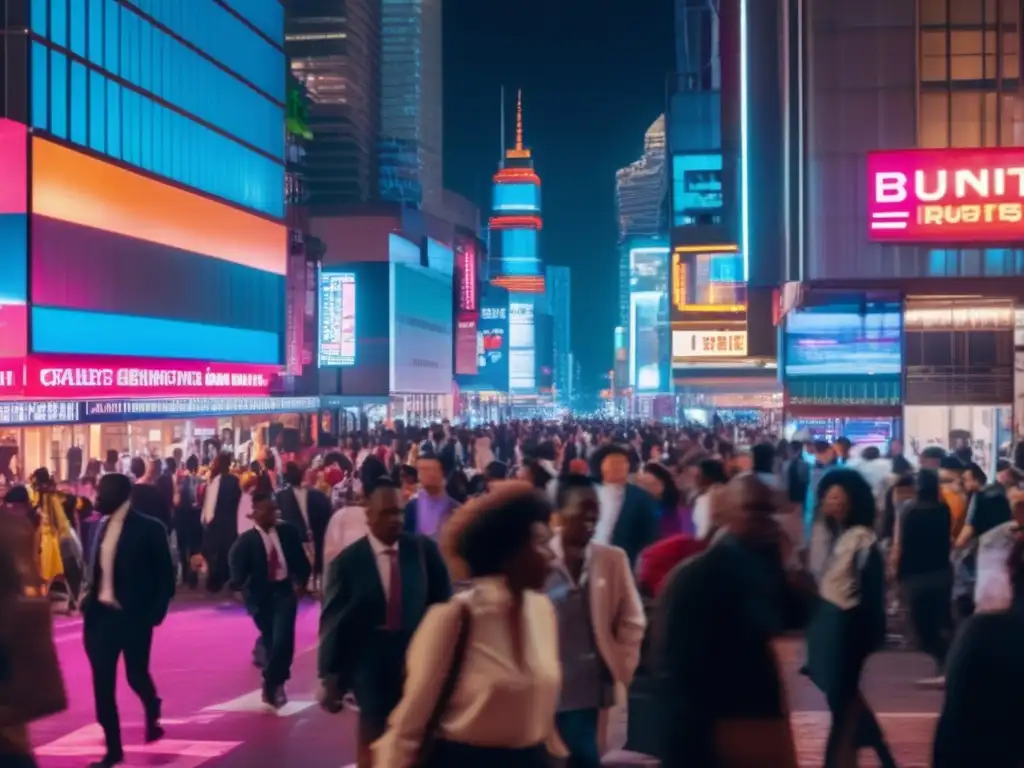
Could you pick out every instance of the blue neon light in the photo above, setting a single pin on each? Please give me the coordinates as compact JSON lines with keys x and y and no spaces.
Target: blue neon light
{"x":744,"y":144}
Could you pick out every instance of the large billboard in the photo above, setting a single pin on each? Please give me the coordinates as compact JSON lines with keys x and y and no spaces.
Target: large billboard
{"x":422,"y":332}
{"x":491,"y":345}
{"x":522,"y":345}
{"x":946,"y":195}
{"x":338,"y":339}
{"x":696,"y":187}
{"x":648,"y":318}
{"x":122,"y":264}
{"x":827,"y":344}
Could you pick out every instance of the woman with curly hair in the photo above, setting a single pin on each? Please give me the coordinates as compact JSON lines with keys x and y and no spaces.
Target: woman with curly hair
{"x":848,"y":621}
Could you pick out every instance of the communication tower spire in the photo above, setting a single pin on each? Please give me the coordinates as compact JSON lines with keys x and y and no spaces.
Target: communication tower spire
{"x":519,"y":121}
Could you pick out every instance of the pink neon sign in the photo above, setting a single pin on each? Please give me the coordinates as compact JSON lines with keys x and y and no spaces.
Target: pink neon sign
{"x":946,"y":195}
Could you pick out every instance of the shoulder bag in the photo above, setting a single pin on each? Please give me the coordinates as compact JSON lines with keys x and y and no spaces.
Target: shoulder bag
{"x":425,"y":756}
{"x":31,"y":685}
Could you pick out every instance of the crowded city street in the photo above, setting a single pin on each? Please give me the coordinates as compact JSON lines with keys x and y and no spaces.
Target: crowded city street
{"x":215,"y":719}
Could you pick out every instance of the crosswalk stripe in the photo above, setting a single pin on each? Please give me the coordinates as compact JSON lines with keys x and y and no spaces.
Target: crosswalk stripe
{"x":253,"y":702}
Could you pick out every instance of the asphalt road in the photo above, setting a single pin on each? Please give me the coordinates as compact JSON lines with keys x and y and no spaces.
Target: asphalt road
{"x":214,"y":718}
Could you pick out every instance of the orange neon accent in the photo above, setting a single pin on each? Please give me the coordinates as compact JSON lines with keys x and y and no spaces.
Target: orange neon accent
{"x":520,"y":283}
{"x":516,"y":222}
{"x":679,"y":298}
{"x":73,"y":187}
{"x":516,"y":176}
{"x":706,"y":249}
{"x":712,"y":308}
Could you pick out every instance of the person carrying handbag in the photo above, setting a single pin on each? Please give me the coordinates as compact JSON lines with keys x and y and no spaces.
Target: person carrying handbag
{"x":489,"y":698}
{"x":31,"y":685}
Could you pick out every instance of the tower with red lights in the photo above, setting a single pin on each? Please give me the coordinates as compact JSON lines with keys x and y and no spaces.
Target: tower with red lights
{"x":515,"y":221}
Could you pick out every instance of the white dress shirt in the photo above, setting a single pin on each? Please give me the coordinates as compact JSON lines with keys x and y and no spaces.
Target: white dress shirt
{"x":702,"y":515}
{"x":385,"y":562}
{"x":610,"y":499}
{"x":302,"y":500}
{"x":273,"y":542}
{"x":108,"y":554}
{"x":496,"y":702}
{"x":346,"y":527}
{"x":210,"y":500}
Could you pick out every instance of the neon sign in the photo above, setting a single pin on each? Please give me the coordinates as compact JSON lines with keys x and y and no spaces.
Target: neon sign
{"x":946,"y":195}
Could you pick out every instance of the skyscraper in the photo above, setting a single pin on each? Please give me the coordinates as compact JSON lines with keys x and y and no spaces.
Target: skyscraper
{"x":641,"y":191}
{"x":411,"y":95}
{"x":335,"y":50}
{"x":559,"y":293}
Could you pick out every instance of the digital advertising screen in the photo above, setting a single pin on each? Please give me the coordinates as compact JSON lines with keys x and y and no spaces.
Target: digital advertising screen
{"x":492,"y":354}
{"x":830,"y":343}
{"x":466,"y":273}
{"x":337,"y":347}
{"x":465,"y":346}
{"x":648,"y":269}
{"x":645,"y":355}
{"x":694,"y":345}
{"x":696,"y":186}
{"x":946,"y":195}
{"x":119,"y":259}
{"x":522,"y":343}
{"x":421,"y":330}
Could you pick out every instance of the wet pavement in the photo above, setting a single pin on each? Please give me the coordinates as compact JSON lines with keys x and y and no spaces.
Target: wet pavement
{"x":214,"y":717}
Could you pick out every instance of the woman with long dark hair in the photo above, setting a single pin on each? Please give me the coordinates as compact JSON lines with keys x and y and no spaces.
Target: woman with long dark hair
{"x":848,"y":621}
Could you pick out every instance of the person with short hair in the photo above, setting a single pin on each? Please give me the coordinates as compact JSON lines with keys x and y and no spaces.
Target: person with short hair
{"x":629,"y":514}
{"x":123,"y":606}
{"x":499,"y":641}
{"x":309,"y":510}
{"x":601,"y":621}
{"x":269,"y":566}
{"x":376,"y":593}
{"x":427,"y":512}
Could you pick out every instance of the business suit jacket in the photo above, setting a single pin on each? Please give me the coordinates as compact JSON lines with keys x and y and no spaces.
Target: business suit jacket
{"x":616,"y":612}
{"x":354,"y":649}
{"x":318,"y":508}
{"x":248,"y":563}
{"x":144,"y":578}
{"x":637,"y":525}
{"x":221,"y":532}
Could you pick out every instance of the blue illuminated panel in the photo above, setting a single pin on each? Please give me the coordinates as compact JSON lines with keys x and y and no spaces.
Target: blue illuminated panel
{"x":266,"y":15}
{"x":87,"y":333}
{"x":121,"y":42}
{"x":516,"y":197}
{"x":222,"y":35}
{"x":127,"y":126}
{"x":518,"y":244}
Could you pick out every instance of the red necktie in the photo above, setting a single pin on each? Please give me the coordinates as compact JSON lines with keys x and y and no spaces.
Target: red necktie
{"x":273,"y":563}
{"x":394,"y":617}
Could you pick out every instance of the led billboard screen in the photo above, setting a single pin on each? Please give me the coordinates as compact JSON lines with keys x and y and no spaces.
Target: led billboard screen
{"x":692,"y":345}
{"x":465,"y":346}
{"x":337,"y":346}
{"x":522,"y":346}
{"x":946,"y":195}
{"x":491,"y":346}
{"x":421,"y":330}
{"x":829,"y":343}
{"x":466,"y":272}
{"x":696,"y":186}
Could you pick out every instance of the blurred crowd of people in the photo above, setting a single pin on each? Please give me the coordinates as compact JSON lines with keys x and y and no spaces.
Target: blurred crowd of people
{"x":490,"y":594}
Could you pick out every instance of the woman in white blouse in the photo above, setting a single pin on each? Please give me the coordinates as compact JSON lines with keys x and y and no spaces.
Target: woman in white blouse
{"x":504,"y":694}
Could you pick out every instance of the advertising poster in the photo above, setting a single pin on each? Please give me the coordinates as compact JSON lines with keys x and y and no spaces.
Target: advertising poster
{"x":645,"y":342}
{"x":465,"y":346}
{"x":337,"y":346}
{"x":696,"y":186}
{"x":491,"y":347}
{"x":691,"y":345}
{"x":522,"y":345}
{"x":843,"y":343}
{"x":422,"y":332}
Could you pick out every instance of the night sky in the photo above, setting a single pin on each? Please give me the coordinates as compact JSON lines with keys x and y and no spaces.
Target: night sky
{"x":593,"y":76}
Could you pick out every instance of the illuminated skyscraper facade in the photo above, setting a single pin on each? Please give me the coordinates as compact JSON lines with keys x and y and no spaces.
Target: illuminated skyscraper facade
{"x":335,"y":50}
{"x":515,"y":225}
{"x":411,"y":96}
{"x":641,"y":191}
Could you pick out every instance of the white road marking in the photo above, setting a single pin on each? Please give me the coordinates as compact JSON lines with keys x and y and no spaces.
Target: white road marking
{"x":253,"y":702}
{"x":88,"y":742}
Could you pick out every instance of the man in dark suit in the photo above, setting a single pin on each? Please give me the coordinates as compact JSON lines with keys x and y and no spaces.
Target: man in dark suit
{"x":131,"y":586}
{"x":376,"y":592}
{"x":629,"y":514}
{"x":309,"y":510}
{"x":270,"y":567}
{"x":220,"y":521}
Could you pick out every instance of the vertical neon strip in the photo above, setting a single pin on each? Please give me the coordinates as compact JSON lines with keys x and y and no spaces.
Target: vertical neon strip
{"x":744,"y":144}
